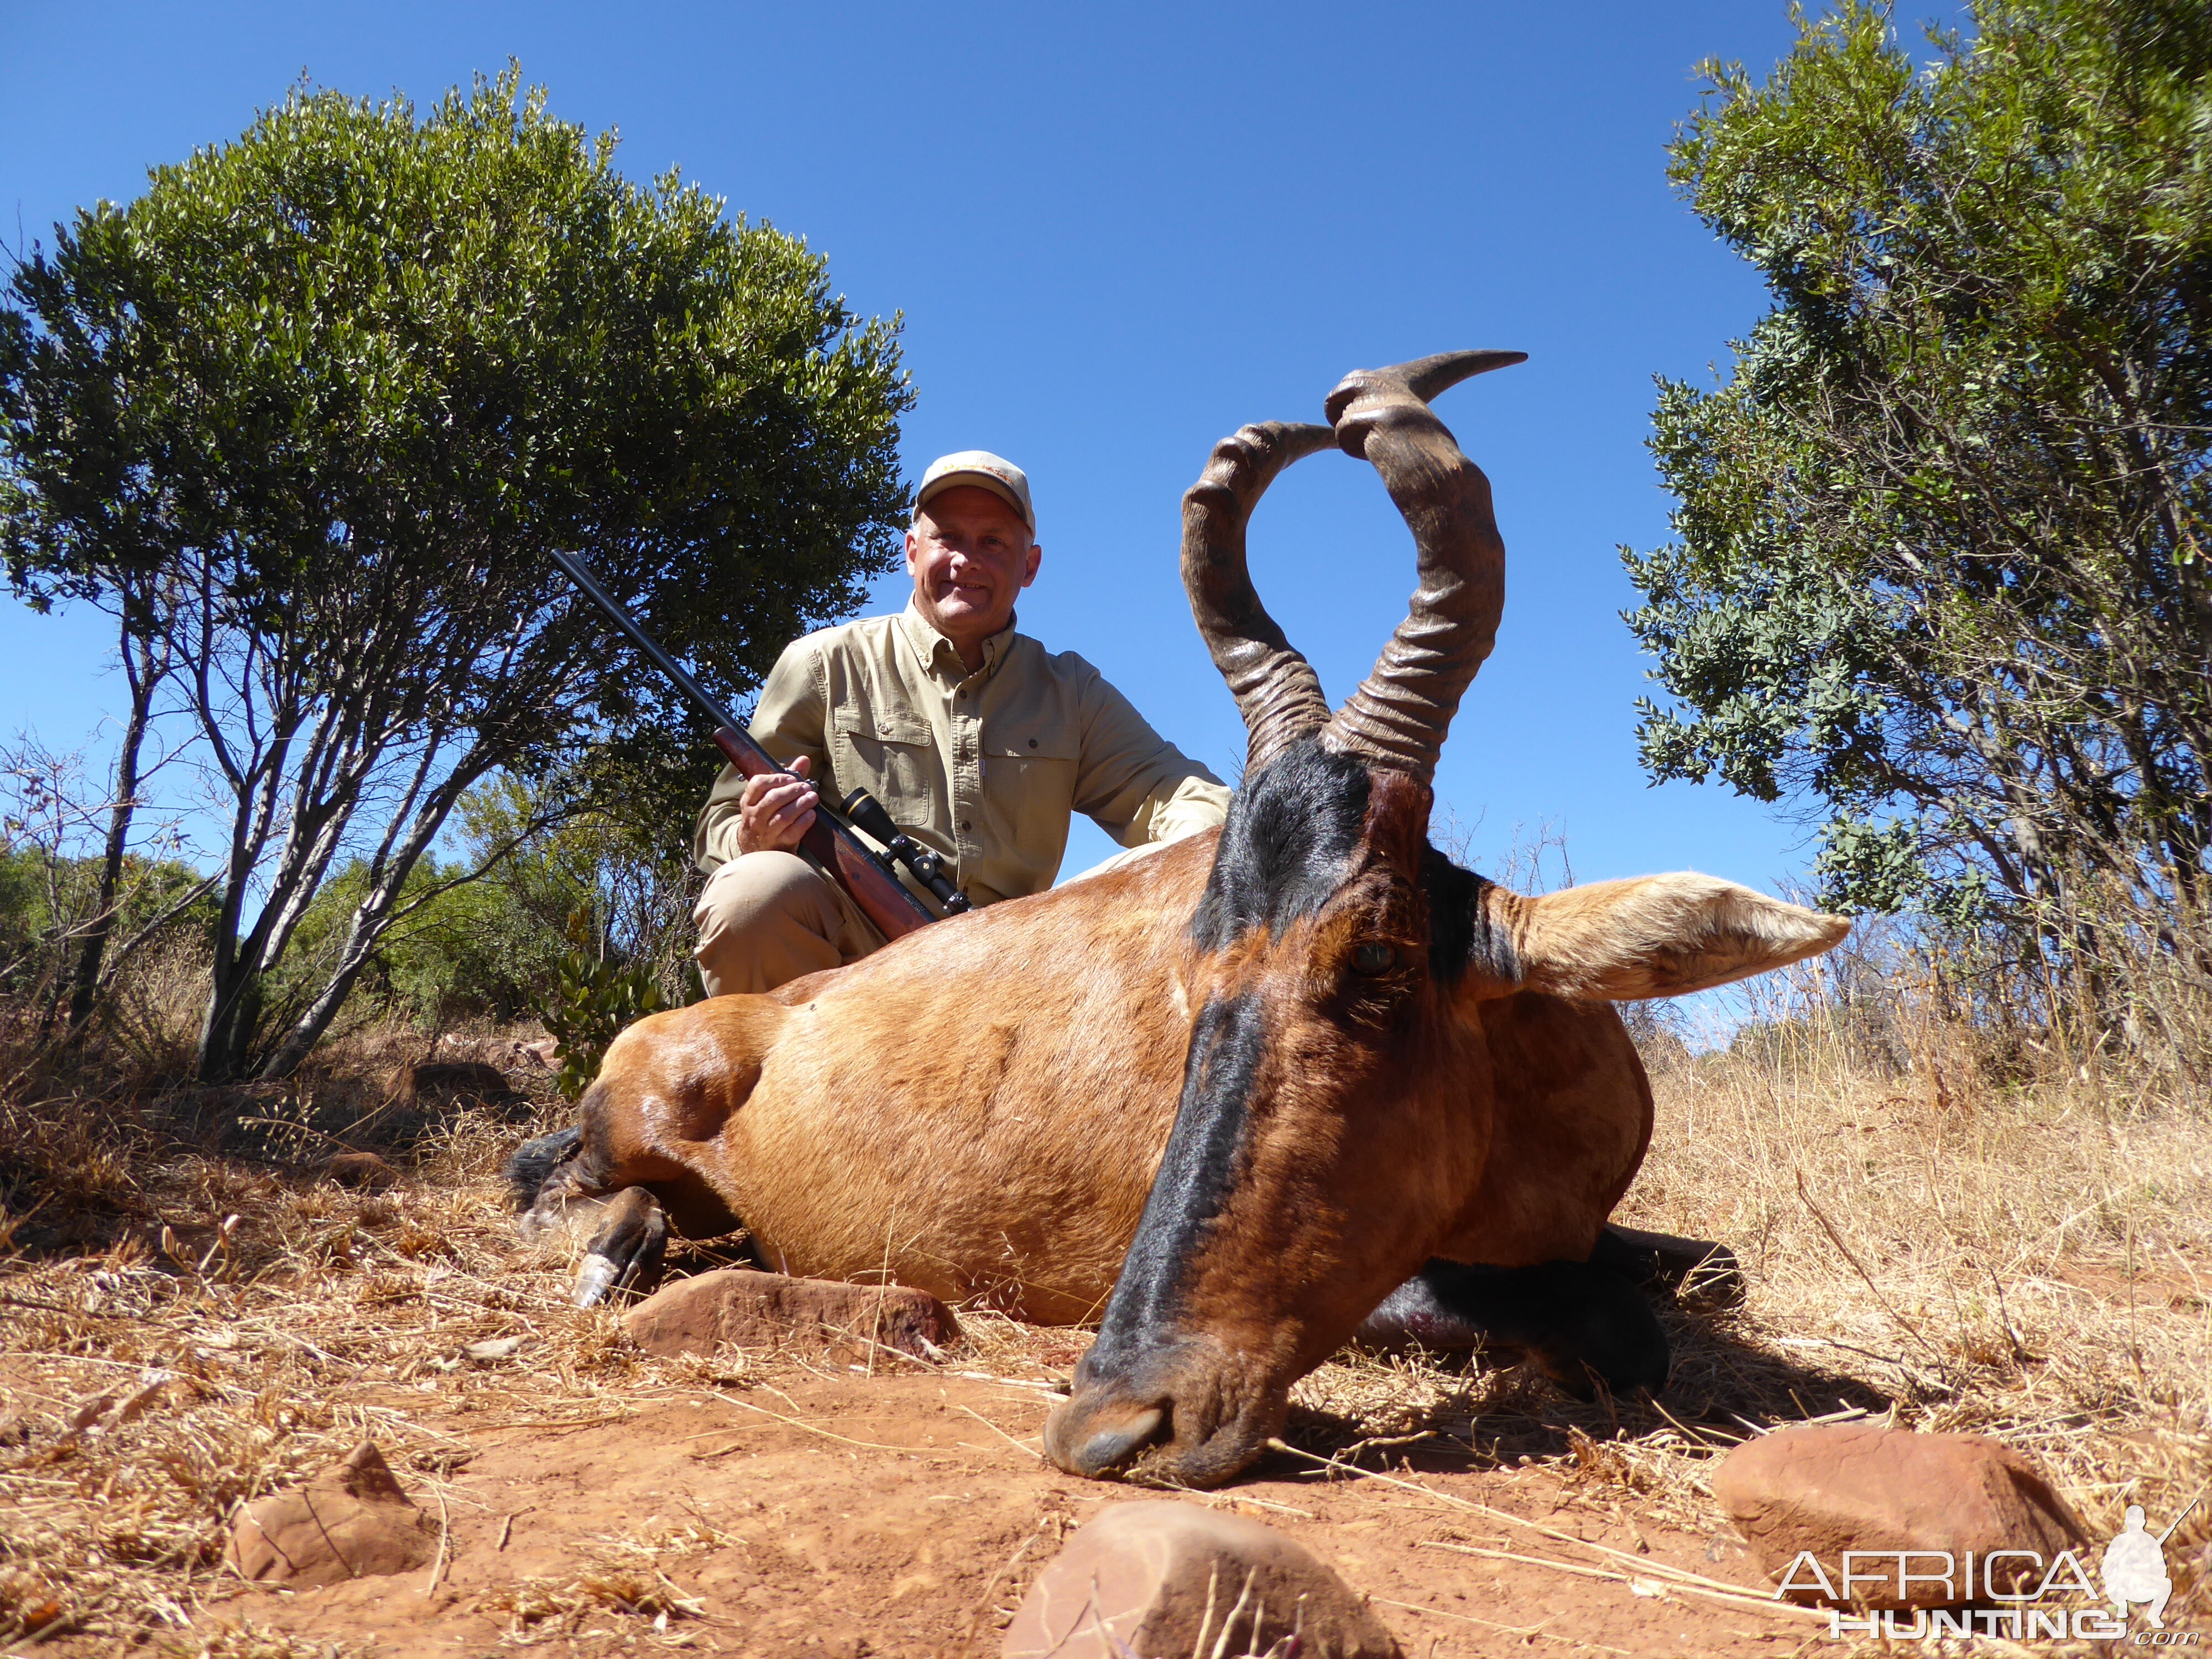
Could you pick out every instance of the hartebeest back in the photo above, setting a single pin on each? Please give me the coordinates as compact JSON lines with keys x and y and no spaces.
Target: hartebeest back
{"x":1259,"y":1086}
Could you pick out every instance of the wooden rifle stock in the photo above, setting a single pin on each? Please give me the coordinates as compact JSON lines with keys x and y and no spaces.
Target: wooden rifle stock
{"x":829,"y":844}
{"x":833,"y":849}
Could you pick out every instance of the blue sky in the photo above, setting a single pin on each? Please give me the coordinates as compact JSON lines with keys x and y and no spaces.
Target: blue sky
{"x":1117,"y":235}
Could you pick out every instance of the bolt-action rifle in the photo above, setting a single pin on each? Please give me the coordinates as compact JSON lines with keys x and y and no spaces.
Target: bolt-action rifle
{"x":829,"y":844}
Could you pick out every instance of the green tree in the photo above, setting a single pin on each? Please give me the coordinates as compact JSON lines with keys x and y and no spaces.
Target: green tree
{"x":310,"y":411}
{"x":1941,"y":554}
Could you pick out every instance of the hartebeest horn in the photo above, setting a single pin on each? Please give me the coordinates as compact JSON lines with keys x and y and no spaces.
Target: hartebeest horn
{"x":1400,"y":712}
{"x":1276,"y":690}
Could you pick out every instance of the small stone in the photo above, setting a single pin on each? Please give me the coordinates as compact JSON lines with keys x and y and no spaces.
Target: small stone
{"x":1166,"y":1577}
{"x":351,"y":1521}
{"x":361,"y":1169}
{"x":1829,"y":1487}
{"x":739,"y":1308}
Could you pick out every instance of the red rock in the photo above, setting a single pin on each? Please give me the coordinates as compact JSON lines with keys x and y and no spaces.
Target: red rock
{"x":349,"y":1521}
{"x":361,"y":1169}
{"x":1141,"y":1577}
{"x":739,"y":1308}
{"x":1829,"y":1487}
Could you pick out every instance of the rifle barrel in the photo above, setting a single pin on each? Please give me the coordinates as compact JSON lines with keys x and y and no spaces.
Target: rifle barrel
{"x":2179,"y":1518}
{"x":659,"y":659}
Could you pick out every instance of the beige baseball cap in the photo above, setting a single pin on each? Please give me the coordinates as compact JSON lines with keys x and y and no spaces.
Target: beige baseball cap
{"x":985,"y":471}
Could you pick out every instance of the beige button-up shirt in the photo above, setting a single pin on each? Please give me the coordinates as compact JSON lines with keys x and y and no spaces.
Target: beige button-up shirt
{"x":984,"y":769}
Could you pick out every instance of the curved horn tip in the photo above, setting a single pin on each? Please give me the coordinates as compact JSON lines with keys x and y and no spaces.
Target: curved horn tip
{"x":1282,"y":443}
{"x":1424,"y":378}
{"x":1248,"y":460}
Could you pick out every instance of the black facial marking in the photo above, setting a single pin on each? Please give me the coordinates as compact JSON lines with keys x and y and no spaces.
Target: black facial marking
{"x":1286,"y":847}
{"x":1227,"y":1043}
{"x":1454,"y":894}
{"x":1459,"y":933}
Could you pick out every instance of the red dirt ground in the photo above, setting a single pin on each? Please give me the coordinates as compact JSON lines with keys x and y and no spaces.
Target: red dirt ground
{"x":898,"y":1514}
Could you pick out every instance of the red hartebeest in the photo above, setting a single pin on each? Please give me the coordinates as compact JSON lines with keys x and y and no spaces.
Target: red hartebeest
{"x":1241,"y":1095}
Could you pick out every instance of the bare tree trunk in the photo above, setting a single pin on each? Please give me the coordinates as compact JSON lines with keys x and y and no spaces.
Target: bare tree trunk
{"x":379,"y":906}
{"x":144,"y":672}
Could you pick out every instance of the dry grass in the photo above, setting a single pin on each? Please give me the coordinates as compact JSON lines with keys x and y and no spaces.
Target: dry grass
{"x":2032,"y":1261}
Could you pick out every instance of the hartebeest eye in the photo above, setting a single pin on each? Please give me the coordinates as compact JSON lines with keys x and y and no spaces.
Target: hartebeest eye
{"x":1374,"y":958}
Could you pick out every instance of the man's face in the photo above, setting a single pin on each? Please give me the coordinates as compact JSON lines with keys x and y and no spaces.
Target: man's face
{"x":970,"y":555}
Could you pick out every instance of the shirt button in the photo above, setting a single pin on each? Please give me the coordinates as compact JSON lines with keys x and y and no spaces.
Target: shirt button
{"x":1032,"y":743}
{"x":966,"y":824}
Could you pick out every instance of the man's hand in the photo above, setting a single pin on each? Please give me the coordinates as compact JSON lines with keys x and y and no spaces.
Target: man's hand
{"x":777,"y":809}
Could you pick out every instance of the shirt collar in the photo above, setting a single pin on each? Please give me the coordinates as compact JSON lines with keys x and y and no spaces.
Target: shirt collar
{"x":938,"y":653}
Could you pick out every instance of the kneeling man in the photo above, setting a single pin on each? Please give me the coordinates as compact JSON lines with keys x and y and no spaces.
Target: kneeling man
{"x":979,"y":742}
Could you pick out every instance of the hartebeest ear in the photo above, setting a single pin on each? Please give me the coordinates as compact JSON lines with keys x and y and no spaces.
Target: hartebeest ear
{"x":1656,"y":936}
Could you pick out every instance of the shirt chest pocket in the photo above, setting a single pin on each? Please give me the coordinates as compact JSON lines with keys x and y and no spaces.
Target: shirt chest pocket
{"x":893,"y":757}
{"x":1027,"y":767}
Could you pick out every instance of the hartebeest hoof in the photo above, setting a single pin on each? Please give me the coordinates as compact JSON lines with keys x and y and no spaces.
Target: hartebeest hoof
{"x":1582,"y":1323}
{"x":1694,"y":1268}
{"x":626,"y":1253}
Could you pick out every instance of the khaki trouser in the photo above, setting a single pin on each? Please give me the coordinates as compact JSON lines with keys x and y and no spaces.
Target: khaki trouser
{"x":767,"y":918}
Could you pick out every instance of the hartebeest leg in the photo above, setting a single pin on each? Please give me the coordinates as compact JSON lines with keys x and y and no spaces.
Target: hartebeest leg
{"x":1581,"y":1323}
{"x":1680,"y":1267}
{"x":562,"y":1178}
